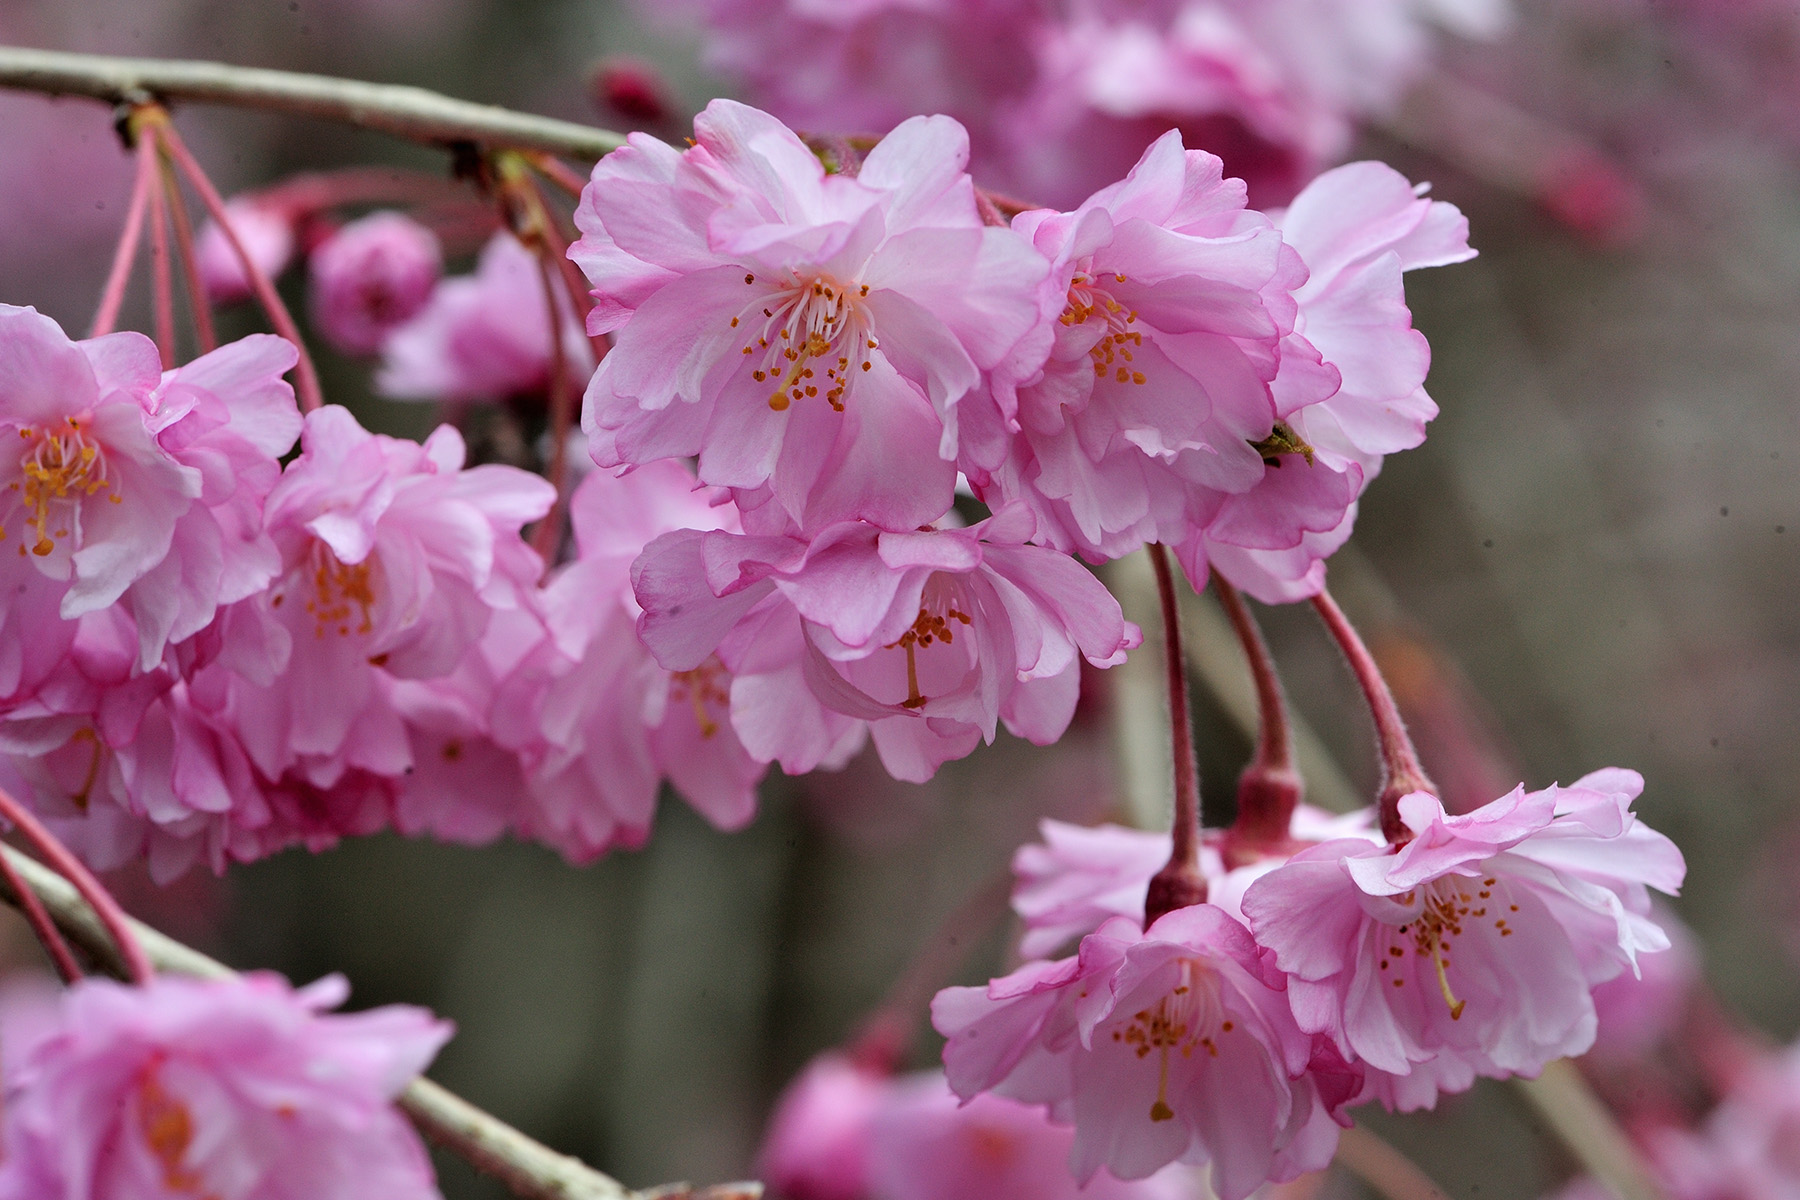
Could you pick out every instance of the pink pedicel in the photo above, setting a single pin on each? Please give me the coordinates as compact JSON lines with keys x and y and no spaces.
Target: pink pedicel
{"x":1472,"y":949}
{"x":810,"y":337}
{"x":267,"y":236}
{"x":240,"y":1088}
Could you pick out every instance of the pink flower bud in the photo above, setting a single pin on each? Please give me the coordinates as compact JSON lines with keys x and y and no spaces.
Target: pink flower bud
{"x":370,"y":276}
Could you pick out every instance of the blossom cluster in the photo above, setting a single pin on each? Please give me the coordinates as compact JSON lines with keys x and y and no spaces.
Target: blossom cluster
{"x":1237,"y":1032}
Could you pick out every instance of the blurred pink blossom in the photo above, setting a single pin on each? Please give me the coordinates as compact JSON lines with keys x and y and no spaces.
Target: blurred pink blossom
{"x":370,"y":276}
{"x":818,"y":1141}
{"x":267,"y":235}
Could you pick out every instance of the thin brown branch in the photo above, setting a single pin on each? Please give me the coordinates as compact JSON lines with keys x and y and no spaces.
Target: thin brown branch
{"x":528,"y":1167}
{"x":407,"y":112}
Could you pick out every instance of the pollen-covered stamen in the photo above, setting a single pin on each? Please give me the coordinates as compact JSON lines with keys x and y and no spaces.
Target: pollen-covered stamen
{"x":927,"y":627}
{"x":1088,"y":300}
{"x":341,"y":592}
{"x":707,"y":684}
{"x":168,"y":1130}
{"x":61,"y":467}
{"x":1445,"y":905}
{"x":1187,"y":1017}
{"x":816,"y":334}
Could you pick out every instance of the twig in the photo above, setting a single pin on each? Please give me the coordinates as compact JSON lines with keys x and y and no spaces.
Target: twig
{"x":1388,"y":1172}
{"x":530,"y":1168}
{"x":408,"y":112}
{"x":1588,"y":1131}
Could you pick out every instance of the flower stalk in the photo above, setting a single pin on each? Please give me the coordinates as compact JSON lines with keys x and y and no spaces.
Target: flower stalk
{"x":1179,"y":884}
{"x":1270,"y":788}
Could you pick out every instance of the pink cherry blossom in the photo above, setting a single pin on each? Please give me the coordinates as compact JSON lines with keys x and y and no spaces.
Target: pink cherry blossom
{"x":932,"y":637}
{"x":1473,"y":948}
{"x":817,"y":1144}
{"x":485,"y":336}
{"x":1168,"y":1045}
{"x":810,"y":337}
{"x":926,"y":1145}
{"x":1171,"y":302}
{"x":1358,"y":228}
{"x":1745,"y":1149}
{"x":130,"y":487}
{"x":370,"y":276}
{"x":596,"y":722}
{"x":242,"y":1088}
{"x":264,"y":230}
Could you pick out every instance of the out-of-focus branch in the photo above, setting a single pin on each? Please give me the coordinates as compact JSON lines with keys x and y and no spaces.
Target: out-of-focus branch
{"x":1587,"y":1130}
{"x":528,"y":1167}
{"x":407,"y":112}
{"x":1390,"y":1173}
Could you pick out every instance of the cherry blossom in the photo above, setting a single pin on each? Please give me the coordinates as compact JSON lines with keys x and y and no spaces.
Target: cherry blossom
{"x":370,"y":276}
{"x":240,"y":1088}
{"x":817,"y":1144}
{"x":1473,"y":948}
{"x":810,"y":337}
{"x":266,"y":232}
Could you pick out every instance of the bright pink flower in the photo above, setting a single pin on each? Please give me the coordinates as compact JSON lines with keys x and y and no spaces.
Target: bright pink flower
{"x":485,"y":336}
{"x":933,"y":637}
{"x":598,"y":724}
{"x":267,"y":235}
{"x":1168,"y":1045}
{"x":1358,"y":228}
{"x":926,"y":1145}
{"x":370,"y":276}
{"x":1472,"y":949}
{"x":817,"y":1144}
{"x":1170,"y":302}
{"x":131,"y":487}
{"x":809,"y":334}
{"x":241,"y":1089}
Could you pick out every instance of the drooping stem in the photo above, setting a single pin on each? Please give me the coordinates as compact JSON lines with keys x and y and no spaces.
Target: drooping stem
{"x":548,"y":535}
{"x":162,"y":277}
{"x":42,"y":926}
{"x":1179,"y":884}
{"x":112,"y":296}
{"x":1401,"y":771}
{"x":306,"y":377}
{"x":117,"y":924}
{"x":1270,"y":788}
{"x":558,"y":172}
{"x":198,"y":304}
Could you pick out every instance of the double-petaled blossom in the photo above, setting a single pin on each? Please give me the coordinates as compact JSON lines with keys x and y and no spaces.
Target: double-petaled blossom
{"x":122,"y":485}
{"x":596,"y":723}
{"x":808,"y":336}
{"x":1357,"y":228}
{"x":371,"y":276}
{"x":1473,"y":948}
{"x":240,"y":1089}
{"x":932,"y":637}
{"x":1171,"y":313}
{"x":1172,"y":1044}
{"x":487,"y":336}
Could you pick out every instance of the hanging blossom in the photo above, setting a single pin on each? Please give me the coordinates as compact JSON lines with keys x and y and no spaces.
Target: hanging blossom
{"x":371,"y":276}
{"x":1171,"y":310}
{"x":1357,"y":228}
{"x":265,"y":229}
{"x":595,"y":722}
{"x":1171,"y":1044}
{"x":810,"y":337}
{"x":1473,"y":948}
{"x":485,"y":336}
{"x":236,"y":1088}
{"x":123,"y":485}
{"x":931,"y":637}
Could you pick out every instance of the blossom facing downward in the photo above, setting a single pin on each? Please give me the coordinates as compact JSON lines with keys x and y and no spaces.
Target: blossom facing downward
{"x":370,"y":276}
{"x":809,"y":337}
{"x":1472,"y":949}
{"x":241,"y":1089}
{"x":1172,"y":1044}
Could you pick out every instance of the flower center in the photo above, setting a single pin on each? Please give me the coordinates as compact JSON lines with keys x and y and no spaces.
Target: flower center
{"x":1445,"y":906}
{"x":1187,"y":1016}
{"x":1089,"y":301}
{"x":933,"y":624}
{"x":62,"y":468}
{"x":707,"y":684}
{"x":340,"y":593}
{"x":168,"y":1129}
{"x":811,"y":321}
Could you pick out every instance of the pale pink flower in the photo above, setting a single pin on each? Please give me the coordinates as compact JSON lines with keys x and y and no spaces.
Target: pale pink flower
{"x":1358,"y":228}
{"x":1473,"y":948}
{"x":598,"y":724}
{"x":1746,"y":1148}
{"x":1170,"y":302}
{"x":808,"y":336}
{"x":266,"y":232}
{"x":933,"y":637}
{"x":370,"y":276}
{"x":135,"y":488}
{"x":1174,"y":1044}
{"x":241,"y":1089}
{"x":1637,"y":1011}
{"x":486,"y":336}
{"x":817,"y":1143}
{"x":926,"y":1145}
